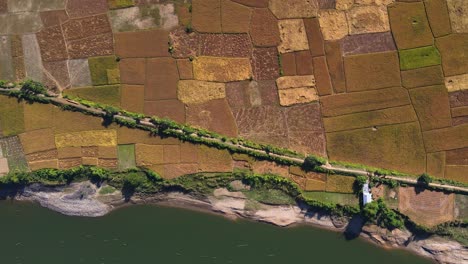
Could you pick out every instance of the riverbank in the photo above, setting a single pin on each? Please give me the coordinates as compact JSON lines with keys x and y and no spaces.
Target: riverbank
{"x":85,"y":199}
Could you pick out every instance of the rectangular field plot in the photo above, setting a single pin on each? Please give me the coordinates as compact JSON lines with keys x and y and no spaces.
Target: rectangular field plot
{"x":334,"y":198}
{"x":126,"y":154}
{"x":13,"y":151}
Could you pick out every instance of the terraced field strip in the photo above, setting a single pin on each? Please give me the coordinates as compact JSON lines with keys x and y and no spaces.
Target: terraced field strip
{"x":146,"y":122}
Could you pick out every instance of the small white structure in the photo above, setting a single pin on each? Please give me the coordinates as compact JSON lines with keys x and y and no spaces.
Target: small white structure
{"x":366,"y":194}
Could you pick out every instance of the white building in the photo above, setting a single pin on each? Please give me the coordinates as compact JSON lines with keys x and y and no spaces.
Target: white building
{"x":366,"y":194}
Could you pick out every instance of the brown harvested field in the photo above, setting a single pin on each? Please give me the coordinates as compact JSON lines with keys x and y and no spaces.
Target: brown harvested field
{"x":172,"y":109}
{"x":288,"y":64}
{"x":38,"y":116}
{"x":108,"y":163}
{"x":225,"y":45}
{"x":457,"y":173}
{"x":410,"y":26}
{"x":107,"y":152}
{"x":300,"y":181}
{"x":185,"y":69}
{"x":171,"y":154}
{"x":43,"y":155}
{"x":176,"y":170}
{"x":250,"y":94}
{"x":268,"y":167}
{"x":342,"y":104}
{"x":83,"y":8}
{"x":394,"y":115}
{"x":426,"y":76}
{"x":69,"y":163}
{"x":322,"y":76}
{"x":37,"y":140}
{"x":188,"y":153}
{"x":454,"y":52}
{"x":214,"y":115}
{"x":66,"y":121}
{"x":132,"y":136}
{"x":87,"y":138}
{"x":457,"y":156}
{"x":372,"y":71}
{"x":428,"y":208}
{"x":340,"y":184}
{"x":161,"y":79}
{"x":133,"y":71}
{"x":435,"y":164}
{"x":335,"y":63}
{"x":454,"y":138}
{"x":147,"y":155}
{"x":263,"y":28}
{"x":91,"y":151}
{"x":133,"y":98}
{"x":206,"y":15}
{"x":368,"y":43}
{"x":438,"y":15}
{"x":44,"y":164}
{"x":265,"y":124}
{"x":432,"y":106}
{"x":214,"y":160}
{"x":89,"y":161}
{"x":142,"y":44}
{"x":265,"y":64}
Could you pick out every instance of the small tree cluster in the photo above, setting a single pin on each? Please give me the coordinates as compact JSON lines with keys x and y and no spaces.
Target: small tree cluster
{"x":383,"y":216}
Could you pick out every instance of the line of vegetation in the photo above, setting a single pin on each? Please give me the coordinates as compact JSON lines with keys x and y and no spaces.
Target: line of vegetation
{"x":145,"y":182}
{"x":32,"y":91}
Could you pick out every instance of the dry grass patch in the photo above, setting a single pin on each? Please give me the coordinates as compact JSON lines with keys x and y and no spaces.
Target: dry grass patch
{"x":106,"y":94}
{"x":214,"y":160}
{"x":148,"y":155}
{"x":340,"y":184}
{"x":87,"y":138}
{"x":38,"y":116}
{"x":398,"y":147}
{"x":315,"y":185}
{"x":11,"y":116}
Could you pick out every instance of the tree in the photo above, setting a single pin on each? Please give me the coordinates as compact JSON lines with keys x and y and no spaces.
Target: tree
{"x":311,"y":162}
{"x":425,"y":179}
{"x":371,"y":211}
{"x":31,"y":87}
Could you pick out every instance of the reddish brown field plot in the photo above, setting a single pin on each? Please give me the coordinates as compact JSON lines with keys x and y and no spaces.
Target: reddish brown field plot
{"x":428,"y":208}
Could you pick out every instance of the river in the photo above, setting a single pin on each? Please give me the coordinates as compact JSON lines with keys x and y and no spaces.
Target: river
{"x":31,"y":234}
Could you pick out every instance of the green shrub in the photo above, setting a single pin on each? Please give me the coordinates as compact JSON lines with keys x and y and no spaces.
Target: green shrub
{"x":313,"y":162}
{"x":377,"y":212}
{"x":425,"y":179}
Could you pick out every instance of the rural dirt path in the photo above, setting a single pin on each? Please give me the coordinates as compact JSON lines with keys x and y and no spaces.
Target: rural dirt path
{"x":146,"y":123}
